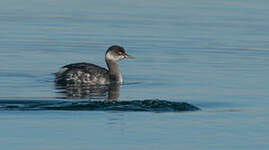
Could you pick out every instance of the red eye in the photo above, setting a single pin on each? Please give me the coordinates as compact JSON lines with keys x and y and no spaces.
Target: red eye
{"x":120,"y":53}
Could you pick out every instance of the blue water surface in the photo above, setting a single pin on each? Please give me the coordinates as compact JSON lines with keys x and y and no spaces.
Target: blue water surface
{"x":211,"y":54}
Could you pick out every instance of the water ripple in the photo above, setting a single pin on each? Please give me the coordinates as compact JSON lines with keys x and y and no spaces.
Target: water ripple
{"x":136,"y":105}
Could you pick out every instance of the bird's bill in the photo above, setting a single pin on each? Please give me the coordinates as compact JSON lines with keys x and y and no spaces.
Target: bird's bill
{"x":129,"y":56}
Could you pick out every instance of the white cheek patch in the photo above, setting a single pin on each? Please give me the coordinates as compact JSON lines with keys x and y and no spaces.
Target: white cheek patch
{"x":118,"y":58}
{"x":109,"y":56}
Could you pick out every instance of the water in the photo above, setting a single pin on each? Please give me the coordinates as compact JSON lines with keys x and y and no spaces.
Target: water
{"x":210,"y":54}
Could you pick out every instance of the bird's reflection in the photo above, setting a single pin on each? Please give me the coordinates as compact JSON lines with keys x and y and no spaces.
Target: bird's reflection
{"x":92,"y":92}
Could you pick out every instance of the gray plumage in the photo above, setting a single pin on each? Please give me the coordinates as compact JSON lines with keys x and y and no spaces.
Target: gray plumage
{"x":82,"y":73}
{"x":91,"y":74}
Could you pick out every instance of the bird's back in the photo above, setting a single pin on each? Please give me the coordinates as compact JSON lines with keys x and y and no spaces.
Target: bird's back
{"x":82,"y":73}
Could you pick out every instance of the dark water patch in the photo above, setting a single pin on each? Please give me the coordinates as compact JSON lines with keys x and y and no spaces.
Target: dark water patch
{"x":136,"y":105}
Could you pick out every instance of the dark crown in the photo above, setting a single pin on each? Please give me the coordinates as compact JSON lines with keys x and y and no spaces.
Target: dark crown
{"x":116,"y":49}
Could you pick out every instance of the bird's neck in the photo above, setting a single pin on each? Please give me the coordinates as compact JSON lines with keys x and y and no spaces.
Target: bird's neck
{"x":114,"y":71}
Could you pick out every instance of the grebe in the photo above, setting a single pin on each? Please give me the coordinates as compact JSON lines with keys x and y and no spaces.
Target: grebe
{"x":91,"y":74}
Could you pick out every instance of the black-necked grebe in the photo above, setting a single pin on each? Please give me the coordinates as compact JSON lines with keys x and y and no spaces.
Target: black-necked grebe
{"x":90,"y":74}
